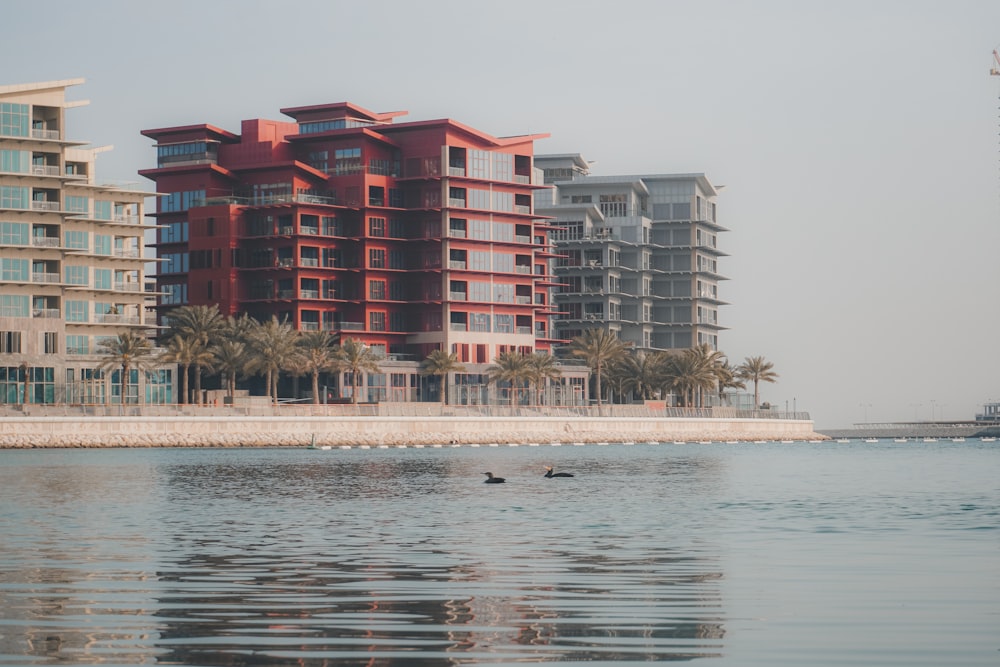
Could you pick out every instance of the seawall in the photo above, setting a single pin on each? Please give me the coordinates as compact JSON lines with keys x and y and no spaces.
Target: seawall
{"x":248,"y":431}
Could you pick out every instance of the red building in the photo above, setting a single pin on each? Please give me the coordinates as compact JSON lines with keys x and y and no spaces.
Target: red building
{"x":411,"y":236}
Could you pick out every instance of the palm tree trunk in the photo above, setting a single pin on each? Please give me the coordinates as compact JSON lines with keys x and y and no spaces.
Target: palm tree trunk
{"x":124,"y":389}
{"x":315,"y":387}
{"x":184,"y":379}
{"x":444,"y":389}
{"x":197,"y":385}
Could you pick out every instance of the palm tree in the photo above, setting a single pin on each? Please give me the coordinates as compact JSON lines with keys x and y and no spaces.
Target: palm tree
{"x":185,"y":352}
{"x":356,"y":357}
{"x":272,"y":350}
{"x":541,"y":367}
{"x":641,"y":373}
{"x":757,"y":370}
{"x":231,"y":360}
{"x":727,"y":378}
{"x":598,"y":347}
{"x":126,"y":351}
{"x":441,"y":364}
{"x":316,"y":355}
{"x":710,"y":360}
{"x":202,"y":324}
{"x":510,"y":367}
{"x":689,"y":374}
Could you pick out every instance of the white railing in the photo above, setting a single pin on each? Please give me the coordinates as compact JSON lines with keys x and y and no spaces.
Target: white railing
{"x":44,"y":205}
{"x":128,"y":287}
{"x":128,"y":219}
{"x":45,"y":241}
{"x":47,"y":278}
{"x":131,"y":253}
{"x":45,"y":170}
{"x":45,"y":134}
{"x":51,"y":313}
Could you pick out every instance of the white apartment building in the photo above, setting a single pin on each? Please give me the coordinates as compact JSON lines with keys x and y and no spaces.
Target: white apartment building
{"x":639,"y":253}
{"x":71,"y":259}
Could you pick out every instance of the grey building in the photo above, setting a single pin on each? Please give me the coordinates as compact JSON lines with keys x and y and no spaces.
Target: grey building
{"x":639,"y":254}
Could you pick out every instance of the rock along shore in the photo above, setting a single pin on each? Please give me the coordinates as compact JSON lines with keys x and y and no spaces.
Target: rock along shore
{"x":144,"y":432}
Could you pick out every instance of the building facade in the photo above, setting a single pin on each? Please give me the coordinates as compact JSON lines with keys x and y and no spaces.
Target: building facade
{"x":410,"y":236}
{"x":639,"y":255}
{"x":72,"y":270}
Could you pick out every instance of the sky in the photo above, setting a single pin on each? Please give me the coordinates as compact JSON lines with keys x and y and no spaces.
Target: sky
{"x":858,"y":143}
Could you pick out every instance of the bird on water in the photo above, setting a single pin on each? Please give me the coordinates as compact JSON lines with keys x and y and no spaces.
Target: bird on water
{"x":549,"y":473}
{"x":490,"y":479}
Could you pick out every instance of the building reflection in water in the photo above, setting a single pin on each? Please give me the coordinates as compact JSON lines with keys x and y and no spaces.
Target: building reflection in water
{"x":351,"y":579}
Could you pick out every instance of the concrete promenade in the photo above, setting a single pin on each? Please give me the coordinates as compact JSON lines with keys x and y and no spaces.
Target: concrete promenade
{"x":222,"y":430}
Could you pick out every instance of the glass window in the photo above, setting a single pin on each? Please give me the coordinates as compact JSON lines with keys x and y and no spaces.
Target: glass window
{"x":77,"y":204}
{"x":102,"y":278}
{"x":102,"y":244}
{"x":15,"y":269}
{"x":102,"y":210}
{"x":77,"y":240}
{"x":15,"y":120}
{"x":18,"y":162}
{"x":14,"y":233}
{"x":76,"y":311}
{"x":76,"y":275}
{"x":14,"y":196}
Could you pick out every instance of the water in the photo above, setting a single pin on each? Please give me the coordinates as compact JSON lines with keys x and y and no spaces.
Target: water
{"x":776,"y":554}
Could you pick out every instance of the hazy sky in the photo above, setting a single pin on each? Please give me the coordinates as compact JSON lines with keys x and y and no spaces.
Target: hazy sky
{"x":858,"y":143}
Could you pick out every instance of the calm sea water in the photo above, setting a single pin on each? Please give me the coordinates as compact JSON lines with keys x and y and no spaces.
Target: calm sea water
{"x":751,"y":554}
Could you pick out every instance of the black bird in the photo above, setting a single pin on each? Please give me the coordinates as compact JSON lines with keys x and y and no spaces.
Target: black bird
{"x":549,"y":473}
{"x":490,"y":479}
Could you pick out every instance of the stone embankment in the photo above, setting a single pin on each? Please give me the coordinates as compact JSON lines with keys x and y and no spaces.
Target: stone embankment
{"x":33,"y":432}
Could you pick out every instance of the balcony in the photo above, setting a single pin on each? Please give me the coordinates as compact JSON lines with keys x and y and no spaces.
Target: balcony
{"x":458,"y":326}
{"x":524,"y":330}
{"x":309,"y":294}
{"x":44,"y":170}
{"x":44,"y":206}
{"x":45,"y":278}
{"x":456,"y":171}
{"x":309,"y":261}
{"x":114,"y":318}
{"x":456,"y":265}
{"x":45,"y":241}
{"x":526,"y":210}
{"x":456,"y":203}
{"x":49,"y":313}
{"x":457,"y":296}
{"x":309,"y":326}
{"x":126,"y":219}
{"x":128,"y":253}
{"x":45,"y":134}
{"x":128,"y":287}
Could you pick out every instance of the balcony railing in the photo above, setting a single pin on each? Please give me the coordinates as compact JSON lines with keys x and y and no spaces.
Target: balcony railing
{"x":309,"y":294}
{"x":458,"y":326}
{"x":128,"y":287}
{"x":114,"y":318}
{"x":456,"y":265}
{"x":457,"y":296}
{"x":45,"y":134}
{"x":44,"y":170}
{"x":45,"y":241}
{"x":46,"y":278}
{"x":51,"y":313}
{"x":44,"y":205}
{"x":130,"y":253}
{"x":456,"y":203}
